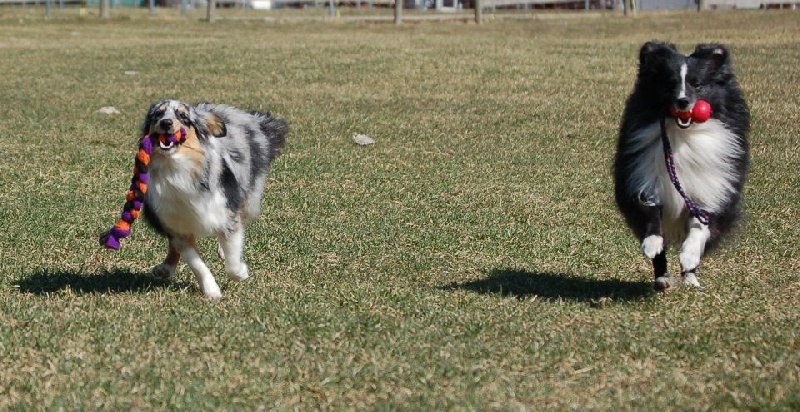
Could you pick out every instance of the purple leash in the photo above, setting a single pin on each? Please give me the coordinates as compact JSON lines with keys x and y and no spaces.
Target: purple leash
{"x":703,"y":216}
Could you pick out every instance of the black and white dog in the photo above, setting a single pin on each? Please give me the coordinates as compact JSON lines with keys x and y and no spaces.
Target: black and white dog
{"x":209,"y":185}
{"x":678,"y":181}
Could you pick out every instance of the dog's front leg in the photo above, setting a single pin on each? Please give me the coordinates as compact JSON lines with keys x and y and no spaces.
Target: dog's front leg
{"x":166,"y":270}
{"x":188,"y":249}
{"x":232,"y":245}
{"x":653,"y":243}
{"x":692,"y":250}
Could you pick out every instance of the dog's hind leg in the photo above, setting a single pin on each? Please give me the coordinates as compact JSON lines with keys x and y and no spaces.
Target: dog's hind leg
{"x":692,"y":251}
{"x":166,"y":269}
{"x":188,"y":249}
{"x":231,"y":244}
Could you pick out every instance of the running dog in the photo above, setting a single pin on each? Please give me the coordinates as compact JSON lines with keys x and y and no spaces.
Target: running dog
{"x":211,"y":184}
{"x":682,"y":154}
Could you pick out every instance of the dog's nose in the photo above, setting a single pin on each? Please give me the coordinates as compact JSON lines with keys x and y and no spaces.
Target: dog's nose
{"x":682,"y":103}
{"x":165,"y":124}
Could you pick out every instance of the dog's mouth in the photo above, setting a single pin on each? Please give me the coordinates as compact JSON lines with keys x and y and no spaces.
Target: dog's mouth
{"x":698,"y":113}
{"x":683,"y":118}
{"x":169,"y":141}
{"x":166,"y":146}
{"x":683,"y":123}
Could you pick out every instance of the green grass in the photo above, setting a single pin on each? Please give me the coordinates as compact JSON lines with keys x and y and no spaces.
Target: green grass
{"x":471,"y":259}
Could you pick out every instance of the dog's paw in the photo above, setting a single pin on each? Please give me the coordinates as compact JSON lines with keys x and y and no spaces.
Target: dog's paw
{"x":211,"y":291}
{"x":652,"y":246}
{"x":663,"y":283}
{"x":690,"y":279}
{"x":239,"y":275}
{"x":163,"y":271}
{"x":220,"y":252}
{"x":690,"y":257}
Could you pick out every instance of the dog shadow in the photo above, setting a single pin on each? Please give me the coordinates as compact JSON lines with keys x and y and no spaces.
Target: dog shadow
{"x":523,"y":284}
{"x":105,"y":282}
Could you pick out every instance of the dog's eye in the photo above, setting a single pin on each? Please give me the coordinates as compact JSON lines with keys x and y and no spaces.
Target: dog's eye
{"x":183,"y":116}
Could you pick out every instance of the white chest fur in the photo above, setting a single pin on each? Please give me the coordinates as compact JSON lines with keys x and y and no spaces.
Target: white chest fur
{"x":702,"y":155}
{"x":179,"y":201}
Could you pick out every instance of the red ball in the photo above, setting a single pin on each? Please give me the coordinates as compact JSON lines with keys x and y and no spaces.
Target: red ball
{"x":701,"y":111}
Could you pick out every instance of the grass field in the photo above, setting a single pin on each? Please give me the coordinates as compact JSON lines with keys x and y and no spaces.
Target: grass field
{"x":471,"y":259}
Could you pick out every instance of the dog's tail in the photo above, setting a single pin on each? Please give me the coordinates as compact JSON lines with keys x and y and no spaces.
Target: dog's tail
{"x":275,"y":130}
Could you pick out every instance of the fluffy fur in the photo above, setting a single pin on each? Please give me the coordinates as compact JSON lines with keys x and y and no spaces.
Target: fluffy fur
{"x":711,"y":158}
{"x":210,"y":185}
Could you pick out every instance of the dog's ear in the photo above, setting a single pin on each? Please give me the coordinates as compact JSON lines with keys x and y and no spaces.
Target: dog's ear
{"x":715,"y":59}
{"x":208,"y":123}
{"x":654,"y":54}
{"x":215,"y":125}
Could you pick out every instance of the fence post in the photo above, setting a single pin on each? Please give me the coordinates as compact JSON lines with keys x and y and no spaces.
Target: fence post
{"x":104,"y":14}
{"x":152,"y":7}
{"x":210,"y":11}
{"x":630,"y":7}
{"x":398,"y":11}
{"x":331,"y":9}
{"x":47,"y":8}
{"x":478,"y":10}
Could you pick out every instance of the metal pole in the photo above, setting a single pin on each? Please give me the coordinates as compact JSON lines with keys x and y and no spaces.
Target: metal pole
{"x":478,"y":11}
{"x":152,"y":7}
{"x":210,"y":11}
{"x":47,"y":8}
{"x":628,"y":5}
{"x":183,"y":7}
{"x":104,"y":14}
{"x":331,"y":9}
{"x":398,"y":12}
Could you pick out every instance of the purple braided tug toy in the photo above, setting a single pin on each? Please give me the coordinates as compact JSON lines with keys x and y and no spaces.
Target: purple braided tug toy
{"x":134,"y":200}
